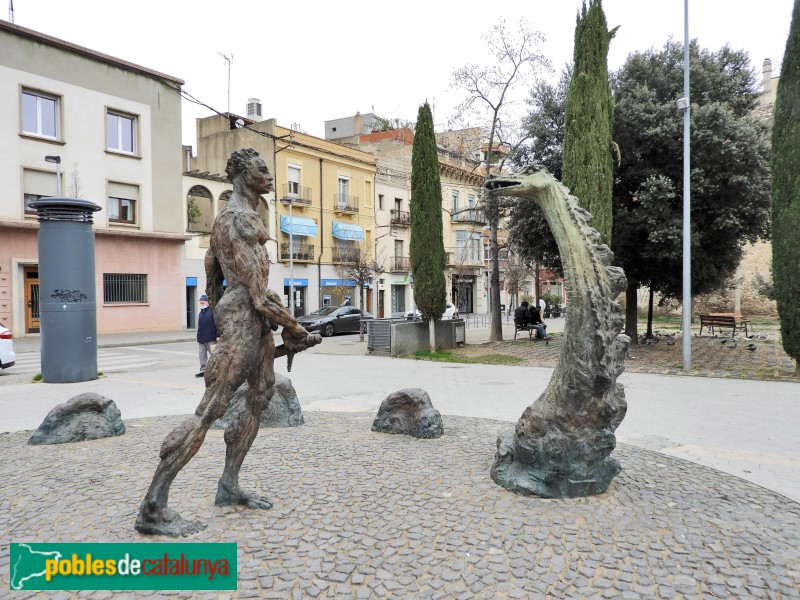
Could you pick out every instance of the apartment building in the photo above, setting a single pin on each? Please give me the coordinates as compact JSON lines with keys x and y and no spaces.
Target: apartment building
{"x":462,"y":220}
{"x":111,"y":130}
{"x":321,"y":216}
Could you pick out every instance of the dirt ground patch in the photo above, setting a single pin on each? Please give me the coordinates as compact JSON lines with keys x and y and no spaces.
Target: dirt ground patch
{"x":712,"y":356}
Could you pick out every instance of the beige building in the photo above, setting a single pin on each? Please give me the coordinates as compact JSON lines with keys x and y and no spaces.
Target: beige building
{"x":115,"y":128}
{"x":462,"y":221}
{"x":321,"y":216}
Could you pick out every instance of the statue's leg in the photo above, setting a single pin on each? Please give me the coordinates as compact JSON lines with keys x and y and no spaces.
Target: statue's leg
{"x":243,"y":429}
{"x":226,"y":371}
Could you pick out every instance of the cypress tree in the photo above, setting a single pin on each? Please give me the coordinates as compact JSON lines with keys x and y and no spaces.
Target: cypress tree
{"x":587,"y":162}
{"x":426,"y":246}
{"x":786,"y":193}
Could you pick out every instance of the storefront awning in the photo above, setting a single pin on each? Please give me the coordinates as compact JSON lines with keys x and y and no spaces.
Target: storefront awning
{"x":347,"y":231}
{"x":299,"y":226}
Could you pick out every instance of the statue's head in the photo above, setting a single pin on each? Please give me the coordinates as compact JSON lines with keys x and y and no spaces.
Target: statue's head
{"x":247,"y":165}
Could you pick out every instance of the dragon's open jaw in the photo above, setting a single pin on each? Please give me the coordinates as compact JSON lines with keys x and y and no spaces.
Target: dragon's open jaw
{"x":502,"y":187}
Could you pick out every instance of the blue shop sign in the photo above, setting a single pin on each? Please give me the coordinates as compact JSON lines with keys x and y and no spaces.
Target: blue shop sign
{"x":297,"y":282}
{"x":338,"y":283}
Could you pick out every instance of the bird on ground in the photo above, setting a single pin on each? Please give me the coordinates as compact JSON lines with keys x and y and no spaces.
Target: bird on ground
{"x":732,"y":346}
{"x":724,"y":342}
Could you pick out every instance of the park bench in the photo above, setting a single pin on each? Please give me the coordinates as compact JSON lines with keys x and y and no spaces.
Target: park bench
{"x":522,"y":327}
{"x":732,"y":321}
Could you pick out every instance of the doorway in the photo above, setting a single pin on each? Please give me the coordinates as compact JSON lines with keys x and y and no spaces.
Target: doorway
{"x":31,"y":277}
{"x":381,"y":301}
{"x":191,"y":320}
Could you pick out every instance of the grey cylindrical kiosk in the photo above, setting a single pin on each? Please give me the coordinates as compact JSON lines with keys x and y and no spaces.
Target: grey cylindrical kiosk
{"x":68,"y":301}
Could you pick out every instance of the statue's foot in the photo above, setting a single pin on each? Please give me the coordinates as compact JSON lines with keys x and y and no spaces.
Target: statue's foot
{"x":166,"y":521}
{"x":233,"y":496}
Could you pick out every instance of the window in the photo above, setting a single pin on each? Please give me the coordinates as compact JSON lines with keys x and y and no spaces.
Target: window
{"x":122,"y":200}
{"x":461,"y":245}
{"x":471,"y":201}
{"x":36,"y":185}
{"x":455,"y":205}
{"x":475,"y":247}
{"x":344,"y":192}
{"x":124,"y":288}
{"x":380,"y":201}
{"x":398,"y":204}
{"x":121,"y":133}
{"x":293,"y":185}
{"x":40,"y":114}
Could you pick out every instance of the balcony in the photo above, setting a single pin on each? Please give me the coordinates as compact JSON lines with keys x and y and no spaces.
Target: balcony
{"x":345,"y":204}
{"x":462,"y":257}
{"x":401,"y":218}
{"x":299,"y":196}
{"x":300,"y":252}
{"x":469,"y":215}
{"x":344,"y":254}
{"x":401,"y":264}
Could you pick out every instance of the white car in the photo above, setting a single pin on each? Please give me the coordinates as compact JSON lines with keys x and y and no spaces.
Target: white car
{"x":450,"y":312}
{"x":7,"y":356}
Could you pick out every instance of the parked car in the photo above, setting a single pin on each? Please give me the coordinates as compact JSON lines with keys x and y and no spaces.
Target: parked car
{"x":334,"y":319}
{"x":7,"y":356}
{"x":449,"y":313}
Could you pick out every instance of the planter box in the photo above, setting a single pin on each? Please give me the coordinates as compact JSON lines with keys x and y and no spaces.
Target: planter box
{"x":389,"y":337}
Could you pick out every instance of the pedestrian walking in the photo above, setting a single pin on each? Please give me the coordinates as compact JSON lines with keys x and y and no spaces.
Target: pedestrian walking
{"x":207,"y":334}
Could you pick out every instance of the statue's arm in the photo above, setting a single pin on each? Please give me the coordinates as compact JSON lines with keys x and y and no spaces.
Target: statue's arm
{"x":214,"y":279}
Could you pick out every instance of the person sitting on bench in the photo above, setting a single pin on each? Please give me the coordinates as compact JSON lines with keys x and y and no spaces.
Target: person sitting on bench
{"x":535,"y":322}
{"x":521,"y":314}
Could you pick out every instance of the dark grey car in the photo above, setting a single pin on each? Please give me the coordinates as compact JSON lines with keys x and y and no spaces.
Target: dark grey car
{"x":334,"y":319}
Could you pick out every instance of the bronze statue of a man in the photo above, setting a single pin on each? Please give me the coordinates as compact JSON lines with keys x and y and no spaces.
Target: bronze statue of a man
{"x":246,"y":313}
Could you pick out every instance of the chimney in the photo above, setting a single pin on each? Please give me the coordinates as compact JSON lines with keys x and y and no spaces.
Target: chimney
{"x":358,"y":124}
{"x":254,"y":109}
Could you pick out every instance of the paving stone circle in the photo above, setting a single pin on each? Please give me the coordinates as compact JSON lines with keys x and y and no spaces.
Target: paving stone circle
{"x":360,"y":514}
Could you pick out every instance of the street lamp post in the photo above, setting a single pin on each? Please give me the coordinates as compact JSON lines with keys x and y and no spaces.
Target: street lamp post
{"x":291,"y":255}
{"x":57,"y":161}
{"x":684,"y":104}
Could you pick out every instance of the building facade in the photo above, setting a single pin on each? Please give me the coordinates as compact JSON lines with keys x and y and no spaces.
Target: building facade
{"x":320,"y":217}
{"x":111,"y":129}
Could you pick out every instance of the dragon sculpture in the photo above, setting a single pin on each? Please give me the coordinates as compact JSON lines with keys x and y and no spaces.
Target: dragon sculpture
{"x":562,"y":442}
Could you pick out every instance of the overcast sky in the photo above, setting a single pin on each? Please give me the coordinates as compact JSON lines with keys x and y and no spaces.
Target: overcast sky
{"x":309,"y":65}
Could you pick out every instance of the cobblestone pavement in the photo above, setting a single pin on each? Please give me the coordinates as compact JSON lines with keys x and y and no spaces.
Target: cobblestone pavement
{"x":711,"y":356}
{"x":365,"y":515}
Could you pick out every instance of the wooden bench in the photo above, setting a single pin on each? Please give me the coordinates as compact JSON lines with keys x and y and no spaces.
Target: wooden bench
{"x":733,"y":321}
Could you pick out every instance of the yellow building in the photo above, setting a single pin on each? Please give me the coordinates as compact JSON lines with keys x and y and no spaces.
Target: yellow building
{"x":321,"y":216}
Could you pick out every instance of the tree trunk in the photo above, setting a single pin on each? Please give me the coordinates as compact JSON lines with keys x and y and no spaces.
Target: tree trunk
{"x":631,"y":309}
{"x":650,"y":315}
{"x":537,"y":281}
{"x":363,"y":309}
{"x":496,"y":330}
{"x":432,"y":335}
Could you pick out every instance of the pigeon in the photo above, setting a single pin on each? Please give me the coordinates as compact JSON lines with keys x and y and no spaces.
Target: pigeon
{"x":764,"y":336}
{"x":751,"y":347}
{"x":732,"y":346}
{"x":670,"y":341}
{"x":724,"y":342}
{"x":752,"y":337}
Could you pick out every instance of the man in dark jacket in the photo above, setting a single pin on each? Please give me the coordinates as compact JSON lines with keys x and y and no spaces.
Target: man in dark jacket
{"x":521,"y":314}
{"x":207,"y":334}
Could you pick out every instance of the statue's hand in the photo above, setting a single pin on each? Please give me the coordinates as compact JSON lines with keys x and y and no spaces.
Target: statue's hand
{"x":297,"y":339}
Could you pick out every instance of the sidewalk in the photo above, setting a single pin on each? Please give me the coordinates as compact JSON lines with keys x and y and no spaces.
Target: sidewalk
{"x":114,"y":340}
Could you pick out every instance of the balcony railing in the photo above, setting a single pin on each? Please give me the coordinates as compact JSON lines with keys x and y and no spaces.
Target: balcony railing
{"x":300,"y":252}
{"x":470,"y":215}
{"x":342,"y":203}
{"x":297,"y":194}
{"x":401,"y":264}
{"x":463,"y":257}
{"x":401,"y":218}
{"x":344,"y":255}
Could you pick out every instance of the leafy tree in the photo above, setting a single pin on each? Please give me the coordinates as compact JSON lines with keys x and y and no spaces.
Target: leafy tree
{"x":730,"y":170}
{"x":529,"y":234}
{"x":426,"y":246}
{"x":587,"y":121}
{"x":490,"y":97}
{"x":786,"y":193}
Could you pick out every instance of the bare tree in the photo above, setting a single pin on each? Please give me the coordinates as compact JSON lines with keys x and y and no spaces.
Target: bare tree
{"x":74,"y":182}
{"x":490,"y":101}
{"x":362,"y":267}
{"x":517,"y":273}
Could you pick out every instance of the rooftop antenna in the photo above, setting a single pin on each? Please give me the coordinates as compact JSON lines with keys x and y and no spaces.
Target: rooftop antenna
{"x":10,"y":11}
{"x":228,"y":60}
